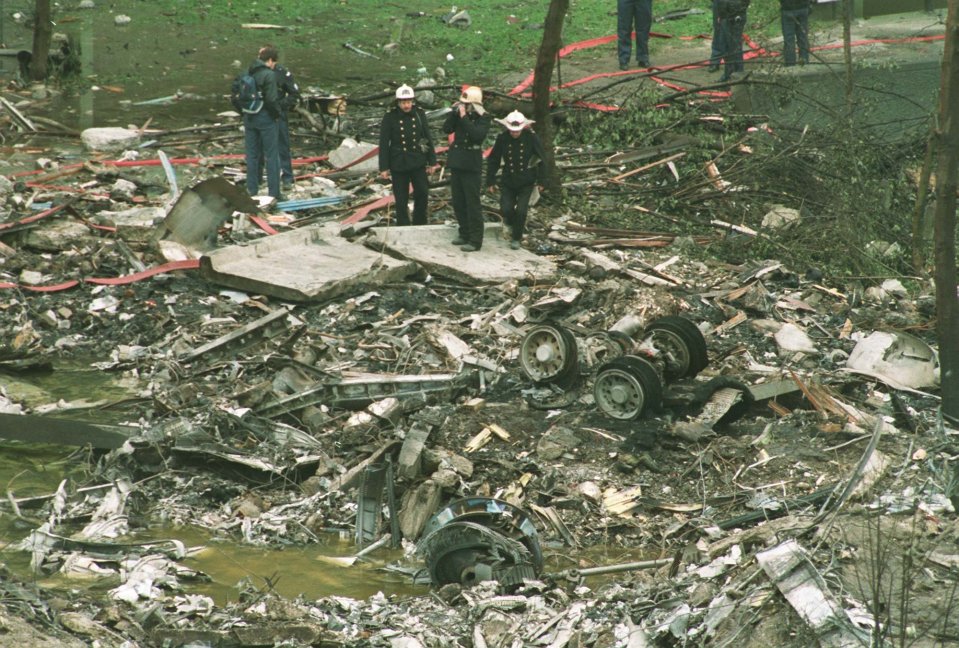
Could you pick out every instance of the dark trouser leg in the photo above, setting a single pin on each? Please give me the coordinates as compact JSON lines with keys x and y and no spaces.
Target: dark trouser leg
{"x":254,"y":153}
{"x":733,"y":45}
{"x":266,"y":132}
{"x":515,"y":202}
{"x":507,"y":207}
{"x":737,"y":44}
{"x":470,"y":186}
{"x":624,"y":30}
{"x":421,"y":195}
{"x":716,"y":53}
{"x":459,"y":203}
{"x":401,"y":192}
{"x":644,"y":20}
{"x":788,"y":23}
{"x":802,"y":35}
{"x":286,"y":157}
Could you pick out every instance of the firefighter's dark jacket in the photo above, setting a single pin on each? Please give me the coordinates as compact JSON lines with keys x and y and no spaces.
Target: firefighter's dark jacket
{"x":466,"y":150}
{"x":405,"y":140}
{"x":521,"y":158}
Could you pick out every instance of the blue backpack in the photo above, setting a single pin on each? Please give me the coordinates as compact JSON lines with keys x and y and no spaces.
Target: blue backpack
{"x":245,"y":95}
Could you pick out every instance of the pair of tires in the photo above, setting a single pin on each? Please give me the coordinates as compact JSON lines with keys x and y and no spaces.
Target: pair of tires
{"x":628,"y":386}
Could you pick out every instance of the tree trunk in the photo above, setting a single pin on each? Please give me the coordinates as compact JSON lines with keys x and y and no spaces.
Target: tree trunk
{"x":542,"y":77}
{"x":847,"y":11}
{"x":920,"y":236}
{"x":42,"y":35}
{"x":947,"y":303}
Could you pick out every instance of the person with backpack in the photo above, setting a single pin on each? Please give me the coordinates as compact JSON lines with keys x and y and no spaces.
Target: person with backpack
{"x":406,"y":148}
{"x":794,"y":17}
{"x":732,"y":20}
{"x":520,"y":152}
{"x":257,"y":97}
{"x":289,"y":97}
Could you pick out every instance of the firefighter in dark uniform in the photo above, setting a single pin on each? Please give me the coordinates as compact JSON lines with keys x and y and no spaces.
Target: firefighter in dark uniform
{"x":406,"y":149}
{"x":469,"y":123}
{"x":520,"y":152}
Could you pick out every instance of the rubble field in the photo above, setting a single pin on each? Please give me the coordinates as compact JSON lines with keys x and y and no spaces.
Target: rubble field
{"x":766,"y":439}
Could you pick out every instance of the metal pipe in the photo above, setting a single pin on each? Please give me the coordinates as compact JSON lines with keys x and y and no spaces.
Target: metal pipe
{"x":614,"y":569}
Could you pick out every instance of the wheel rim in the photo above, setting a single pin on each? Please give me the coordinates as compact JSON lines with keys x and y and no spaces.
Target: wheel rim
{"x":682,"y":345}
{"x":675,"y":353}
{"x":548,"y":353}
{"x":619,"y":393}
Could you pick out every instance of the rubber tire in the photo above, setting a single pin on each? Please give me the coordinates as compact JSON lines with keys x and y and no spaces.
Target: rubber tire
{"x":566,"y":374}
{"x":640,"y":375}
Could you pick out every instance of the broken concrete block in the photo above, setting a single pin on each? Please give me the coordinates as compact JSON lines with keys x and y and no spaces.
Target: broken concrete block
{"x":57,"y":236}
{"x":109,"y":139}
{"x":31,"y":277}
{"x":123,"y":188}
{"x":780,"y":216}
{"x":419,"y":504}
{"x":409,"y":461}
{"x":135,"y":225}
{"x":350,"y":151}
{"x":556,"y":442}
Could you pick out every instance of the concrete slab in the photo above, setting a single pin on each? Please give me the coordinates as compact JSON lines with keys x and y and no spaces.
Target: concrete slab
{"x":430,"y":246}
{"x":309,"y":264}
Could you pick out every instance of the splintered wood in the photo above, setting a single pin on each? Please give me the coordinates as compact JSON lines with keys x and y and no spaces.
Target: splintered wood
{"x":484,"y":437}
{"x":622,"y":502}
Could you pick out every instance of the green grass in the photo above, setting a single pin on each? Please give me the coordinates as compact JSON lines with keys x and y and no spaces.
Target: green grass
{"x":504,"y":35}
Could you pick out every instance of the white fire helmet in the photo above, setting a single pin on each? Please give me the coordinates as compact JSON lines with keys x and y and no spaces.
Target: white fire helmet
{"x":515,"y":121}
{"x":472,"y":95}
{"x":404,"y":92}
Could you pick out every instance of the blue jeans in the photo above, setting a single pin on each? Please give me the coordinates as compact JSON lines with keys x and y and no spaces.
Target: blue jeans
{"x":634,"y":15}
{"x":795,"y":23}
{"x":262,"y":141}
{"x":731,"y":35}
{"x":283,"y":142}
{"x":716,"y":53}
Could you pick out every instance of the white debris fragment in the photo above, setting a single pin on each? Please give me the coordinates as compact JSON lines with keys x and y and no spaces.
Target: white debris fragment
{"x":793,"y":339}
{"x":111,"y":138}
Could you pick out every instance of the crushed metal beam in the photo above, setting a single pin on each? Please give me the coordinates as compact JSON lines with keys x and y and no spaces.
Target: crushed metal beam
{"x":265,"y":328}
{"x":358,"y":392}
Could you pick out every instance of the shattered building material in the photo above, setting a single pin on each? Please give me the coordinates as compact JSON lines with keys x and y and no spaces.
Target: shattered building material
{"x":358,"y":391}
{"x":261,"y":330}
{"x":44,"y":429}
{"x":200,"y":210}
{"x":898,"y":359}
{"x":369,"y":501}
{"x":429,"y":247}
{"x":410,"y":454}
{"x":788,"y":566}
{"x":304,"y":265}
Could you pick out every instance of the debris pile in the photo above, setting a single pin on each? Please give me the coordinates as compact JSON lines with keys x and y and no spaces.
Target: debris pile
{"x":759,"y":437}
